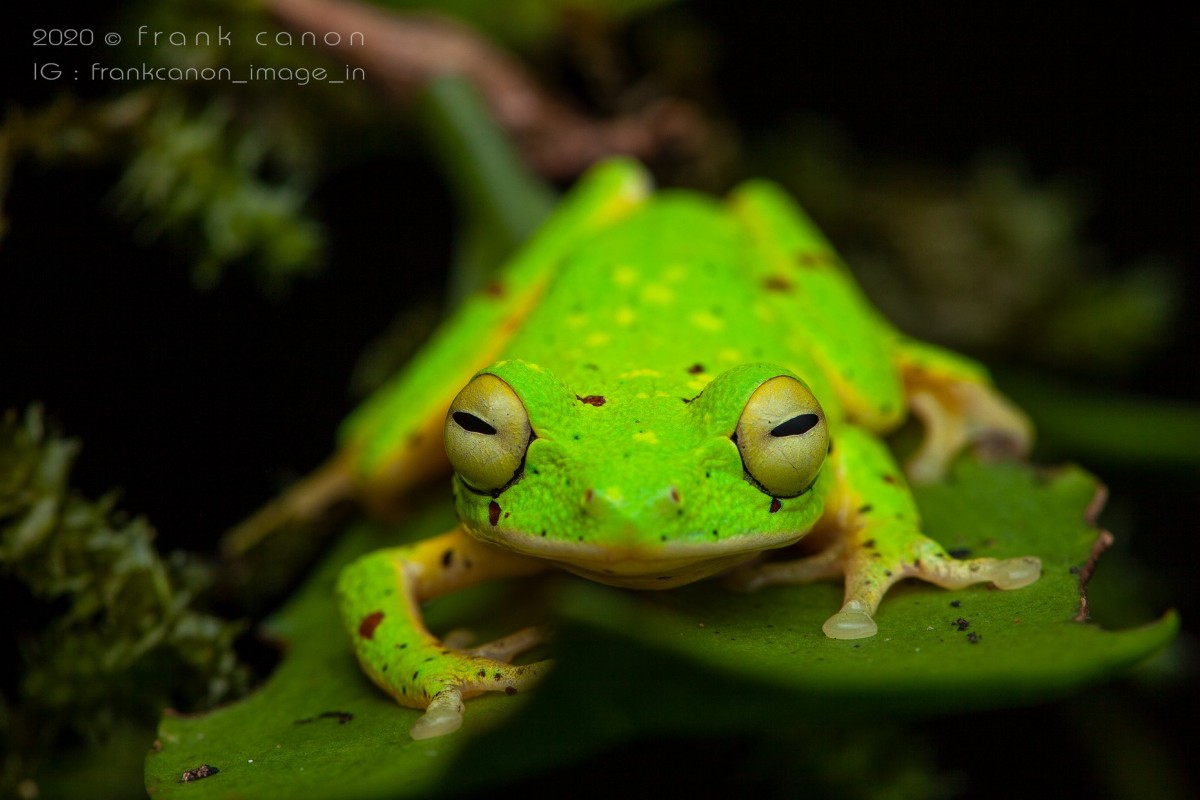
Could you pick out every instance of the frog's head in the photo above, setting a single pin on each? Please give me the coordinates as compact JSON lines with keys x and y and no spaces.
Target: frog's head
{"x":641,"y":488}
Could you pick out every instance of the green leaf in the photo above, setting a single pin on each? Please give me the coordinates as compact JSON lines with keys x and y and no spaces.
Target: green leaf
{"x":690,"y":661}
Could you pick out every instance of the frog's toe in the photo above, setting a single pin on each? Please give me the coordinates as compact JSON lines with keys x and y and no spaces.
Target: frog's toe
{"x":1013,"y":573}
{"x":852,"y":622}
{"x":443,"y":715}
{"x":505,"y":648}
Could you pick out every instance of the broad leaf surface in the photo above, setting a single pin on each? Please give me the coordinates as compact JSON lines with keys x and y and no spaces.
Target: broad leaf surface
{"x":692,"y":661}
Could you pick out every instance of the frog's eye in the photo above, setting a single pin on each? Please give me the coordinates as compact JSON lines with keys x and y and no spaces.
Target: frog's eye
{"x":782,"y":437}
{"x":487,"y":432}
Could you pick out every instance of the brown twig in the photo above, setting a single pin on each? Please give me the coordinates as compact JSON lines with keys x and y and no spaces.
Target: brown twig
{"x":403,"y":52}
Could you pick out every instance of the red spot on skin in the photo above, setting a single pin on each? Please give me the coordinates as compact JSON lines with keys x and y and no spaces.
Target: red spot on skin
{"x":695,"y":369}
{"x":775,"y":504}
{"x":494,"y":289}
{"x":596,"y":400}
{"x":493,"y":513}
{"x":674,"y":494}
{"x":889,"y":479}
{"x":366,"y":628}
{"x":777,"y":284}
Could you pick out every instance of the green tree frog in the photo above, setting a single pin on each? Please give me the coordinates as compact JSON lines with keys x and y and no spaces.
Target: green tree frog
{"x":660,"y":387}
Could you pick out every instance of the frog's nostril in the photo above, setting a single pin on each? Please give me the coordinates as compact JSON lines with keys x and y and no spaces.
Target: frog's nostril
{"x":674,"y":495}
{"x":588,"y":496}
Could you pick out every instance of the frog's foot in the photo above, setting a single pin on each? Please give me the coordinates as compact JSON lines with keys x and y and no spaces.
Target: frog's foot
{"x":749,"y":578}
{"x":458,"y":676}
{"x":380,"y":598}
{"x":504,"y":648}
{"x":957,"y":413}
{"x":872,"y":570}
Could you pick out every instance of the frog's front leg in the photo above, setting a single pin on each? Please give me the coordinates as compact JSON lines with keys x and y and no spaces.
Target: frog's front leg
{"x":958,"y":406}
{"x":380,"y":595}
{"x":876,"y":541}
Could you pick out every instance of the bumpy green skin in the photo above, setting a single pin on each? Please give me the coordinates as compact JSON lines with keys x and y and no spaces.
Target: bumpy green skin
{"x":650,"y":321}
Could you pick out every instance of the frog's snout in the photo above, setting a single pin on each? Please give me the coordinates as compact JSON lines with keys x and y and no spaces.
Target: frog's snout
{"x":616,"y":504}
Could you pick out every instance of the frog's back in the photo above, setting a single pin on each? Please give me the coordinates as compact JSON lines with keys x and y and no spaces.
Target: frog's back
{"x":666,"y":298}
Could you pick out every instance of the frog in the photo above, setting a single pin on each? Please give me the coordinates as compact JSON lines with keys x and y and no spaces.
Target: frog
{"x":659,"y":387}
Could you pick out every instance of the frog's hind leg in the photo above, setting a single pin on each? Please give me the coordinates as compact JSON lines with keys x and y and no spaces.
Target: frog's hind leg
{"x":380,"y":595}
{"x":958,"y":407}
{"x":878,"y":541}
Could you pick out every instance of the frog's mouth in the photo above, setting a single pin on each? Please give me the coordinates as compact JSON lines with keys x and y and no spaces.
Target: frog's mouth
{"x":639,"y":566}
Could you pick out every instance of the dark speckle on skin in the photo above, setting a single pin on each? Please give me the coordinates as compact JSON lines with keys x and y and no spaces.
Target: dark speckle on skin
{"x":889,"y":478}
{"x":447,"y":558}
{"x":777,"y":284}
{"x":814,"y":259}
{"x":493,"y":513}
{"x":869,"y":543}
{"x":962,"y":624}
{"x":955,"y":603}
{"x":596,"y":400}
{"x":494,"y":289}
{"x":864,"y":509}
{"x":510,"y":690}
{"x":973,"y":637}
{"x":775,"y":505}
{"x":960,"y":552}
{"x":695,"y":369}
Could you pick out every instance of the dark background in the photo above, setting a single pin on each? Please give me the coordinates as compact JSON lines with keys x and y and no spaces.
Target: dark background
{"x":198,"y":405}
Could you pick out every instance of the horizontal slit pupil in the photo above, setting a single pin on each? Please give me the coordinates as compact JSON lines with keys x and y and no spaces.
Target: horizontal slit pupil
{"x":796,"y":425}
{"x":472,"y":423}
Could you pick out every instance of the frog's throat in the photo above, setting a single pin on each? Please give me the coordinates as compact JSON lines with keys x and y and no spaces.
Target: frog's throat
{"x":663,"y":565}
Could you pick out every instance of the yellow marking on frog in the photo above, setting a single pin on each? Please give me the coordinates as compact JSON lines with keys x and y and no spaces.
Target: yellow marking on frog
{"x":648,"y":437}
{"x":624,"y":276}
{"x":625,"y":315}
{"x":597,"y":339}
{"x":729,"y":355}
{"x":613,"y":495}
{"x":699,"y":382}
{"x":675,"y":273}
{"x":577,"y":320}
{"x":658,"y":295}
{"x":707,"y":321}
{"x":639,"y":373}
{"x":641,"y":396}
{"x":660,"y":393}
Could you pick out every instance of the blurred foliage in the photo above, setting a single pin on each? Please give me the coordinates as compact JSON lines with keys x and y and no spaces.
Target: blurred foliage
{"x":986,"y":259}
{"x":196,"y":177}
{"x":524,"y":23}
{"x":118,"y":636}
